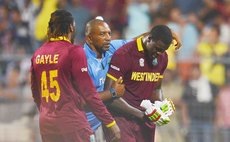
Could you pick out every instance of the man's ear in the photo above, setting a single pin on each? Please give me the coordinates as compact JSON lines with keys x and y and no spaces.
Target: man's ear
{"x":88,"y":39}
{"x":149,"y":38}
{"x":72,"y":28}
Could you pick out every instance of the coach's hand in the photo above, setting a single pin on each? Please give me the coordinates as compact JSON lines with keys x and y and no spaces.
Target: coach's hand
{"x":116,"y":133}
{"x":119,"y":87}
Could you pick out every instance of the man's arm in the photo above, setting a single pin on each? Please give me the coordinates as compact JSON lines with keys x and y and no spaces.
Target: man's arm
{"x":34,"y":88}
{"x":176,"y":41}
{"x":121,"y":105}
{"x":84,"y":86}
{"x":117,"y":89}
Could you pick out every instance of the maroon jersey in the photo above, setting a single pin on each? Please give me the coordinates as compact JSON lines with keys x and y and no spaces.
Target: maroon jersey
{"x":59,"y":81}
{"x":140,"y":76}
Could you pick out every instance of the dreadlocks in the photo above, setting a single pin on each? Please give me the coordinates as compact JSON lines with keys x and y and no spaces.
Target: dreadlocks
{"x":59,"y":24}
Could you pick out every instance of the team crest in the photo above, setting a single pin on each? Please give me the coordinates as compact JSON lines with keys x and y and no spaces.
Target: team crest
{"x":141,"y":62}
{"x":155,"y":61}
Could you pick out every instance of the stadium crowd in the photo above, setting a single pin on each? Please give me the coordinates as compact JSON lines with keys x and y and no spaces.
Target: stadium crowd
{"x":197,"y":78}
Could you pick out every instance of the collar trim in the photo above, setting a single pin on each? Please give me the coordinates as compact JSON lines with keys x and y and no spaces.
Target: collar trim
{"x":139,"y":44}
{"x":59,"y":38}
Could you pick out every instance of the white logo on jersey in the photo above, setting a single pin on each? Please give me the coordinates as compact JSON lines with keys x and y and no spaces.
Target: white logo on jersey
{"x":101,"y":81}
{"x":84,"y":69}
{"x":114,"y":67}
{"x":141,"y":62}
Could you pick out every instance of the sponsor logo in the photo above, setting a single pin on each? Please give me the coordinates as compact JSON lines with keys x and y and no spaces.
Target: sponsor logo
{"x":84,"y":69}
{"x":146,"y":76}
{"x":101,"y":81}
{"x":114,"y":67}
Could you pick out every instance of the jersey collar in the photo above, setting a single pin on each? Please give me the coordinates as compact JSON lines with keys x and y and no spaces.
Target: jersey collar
{"x":59,"y":38}
{"x":139,"y":44}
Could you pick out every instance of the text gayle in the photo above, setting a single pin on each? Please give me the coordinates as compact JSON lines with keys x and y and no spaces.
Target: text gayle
{"x":47,"y":59}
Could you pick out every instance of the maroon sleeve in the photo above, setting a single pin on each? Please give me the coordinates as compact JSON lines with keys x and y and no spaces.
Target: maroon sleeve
{"x":118,"y":68}
{"x":34,"y":89}
{"x":85,"y":87}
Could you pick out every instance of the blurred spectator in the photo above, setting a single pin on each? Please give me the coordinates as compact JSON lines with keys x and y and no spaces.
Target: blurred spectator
{"x":93,"y":5}
{"x":28,"y":106}
{"x":10,"y":95}
{"x":16,"y":111}
{"x":42,"y":19}
{"x":223,"y":112}
{"x":208,"y":12}
{"x":21,"y":38}
{"x":189,"y":37}
{"x":211,"y":53}
{"x":199,"y":106}
{"x":115,"y":11}
{"x":29,"y":11}
{"x":62,"y":4}
{"x":138,"y":20}
{"x":224,"y":25}
{"x":223,"y":7}
{"x":5,"y":33}
{"x":161,"y":8}
{"x":189,"y":6}
{"x":81,"y":15}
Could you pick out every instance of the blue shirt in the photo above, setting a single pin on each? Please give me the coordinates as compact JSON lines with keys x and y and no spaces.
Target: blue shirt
{"x":97,"y":69}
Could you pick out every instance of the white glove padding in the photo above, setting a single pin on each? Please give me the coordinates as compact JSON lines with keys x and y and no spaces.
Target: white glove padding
{"x":163,"y":120}
{"x":150,"y":111}
{"x":154,"y":113}
{"x":166,"y":106}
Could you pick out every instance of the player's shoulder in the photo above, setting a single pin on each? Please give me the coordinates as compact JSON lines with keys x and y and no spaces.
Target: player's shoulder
{"x":119,"y":42}
{"x":127,"y":48}
{"x":40,"y":50}
{"x":76,"y":50}
{"x":116,"y":44}
{"x":164,"y":58}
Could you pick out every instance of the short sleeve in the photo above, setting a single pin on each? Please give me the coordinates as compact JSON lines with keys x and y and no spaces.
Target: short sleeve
{"x":119,"y":66}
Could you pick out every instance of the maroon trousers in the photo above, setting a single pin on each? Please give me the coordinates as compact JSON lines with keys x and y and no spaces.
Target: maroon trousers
{"x":132,"y":131}
{"x":78,"y":136}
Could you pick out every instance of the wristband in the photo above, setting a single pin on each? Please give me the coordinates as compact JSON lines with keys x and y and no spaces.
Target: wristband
{"x":113,"y":92}
{"x":111,"y":124}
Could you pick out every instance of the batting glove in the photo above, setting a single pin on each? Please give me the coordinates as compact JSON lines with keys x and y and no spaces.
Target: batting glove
{"x":166,"y":106}
{"x":154,"y":113}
